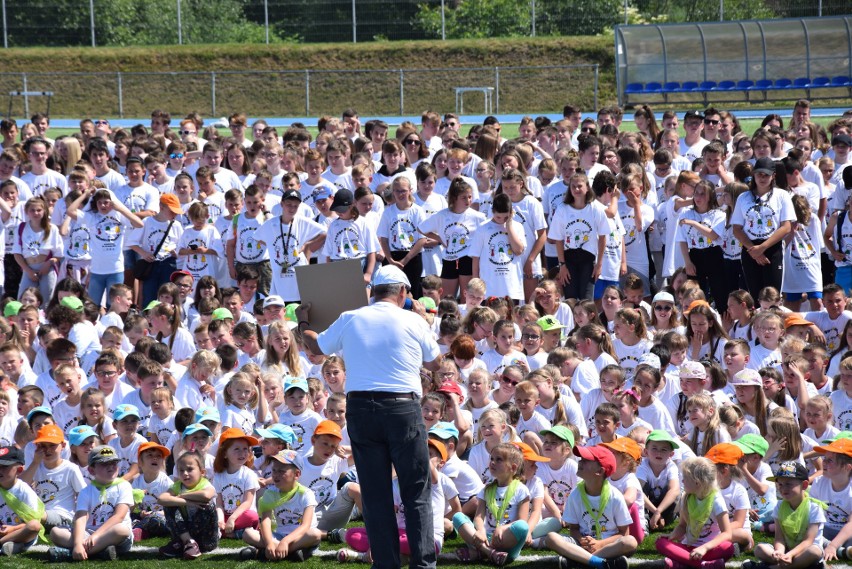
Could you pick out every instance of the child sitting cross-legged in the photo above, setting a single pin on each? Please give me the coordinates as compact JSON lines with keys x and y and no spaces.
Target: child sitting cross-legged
{"x":798,"y":530}
{"x":20,"y":509}
{"x":596,"y":515}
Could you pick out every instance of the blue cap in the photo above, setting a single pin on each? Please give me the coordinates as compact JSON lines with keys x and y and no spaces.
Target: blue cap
{"x":280,"y":432}
{"x":40,"y":409}
{"x":207,"y":414}
{"x":79,"y":434}
{"x":323,"y":194}
{"x":288,"y":457}
{"x":194,"y":428}
{"x":125,"y":410}
{"x":296,"y":382}
{"x":444,"y":430}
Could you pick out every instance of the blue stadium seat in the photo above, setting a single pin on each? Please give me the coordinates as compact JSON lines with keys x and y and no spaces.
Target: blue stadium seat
{"x":706,"y":86}
{"x":745,"y":85}
{"x":725,"y":86}
{"x":800,"y":83}
{"x":841,"y":81}
{"x":688,"y":86}
{"x":821,"y":82}
{"x":761,"y":85}
{"x":784,"y":83}
{"x":633,"y":88}
{"x":671,"y":87}
{"x":653,"y":87}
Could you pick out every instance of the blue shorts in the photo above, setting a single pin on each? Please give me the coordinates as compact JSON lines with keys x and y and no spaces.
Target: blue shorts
{"x":600,"y":285}
{"x":130,"y":258}
{"x":843,"y":277}
{"x":794,"y":296}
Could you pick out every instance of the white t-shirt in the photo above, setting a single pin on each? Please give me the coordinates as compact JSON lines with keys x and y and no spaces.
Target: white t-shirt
{"x":152,"y":490}
{"x":99,"y":509}
{"x":129,"y":455}
{"x":499,"y":267}
{"x":106,"y":241}
{"x":657,"y":483}
{"x":38,"y":183}
{"x":579,"y":228}
{"x":242,"y":230}
{"x":611,"y":265}
{"x":713,"y":219}
{"x":233,"y":487}
{"x":303,"y":425}
{"x":832,"y":329}
{"x":31,"y":243}
{"x":657,"y":415}
{"x":350,"y":239}
{"x":736,"y":498}
{"x":200,"y":264}
{"x":322,"y":479}
{"x":455,"y":230}
{"x":629,"y":356}
{"x":22,"y":491}
{"x":399,"y":226}
{"x":141,"y":198}
{"x":614,"y":515}
{"x":842,"y":410}
{"x":520,"y":495}
{"x":289,"y":515}
{"x":635,"y":238}
{"x":839,"y":502}
{"x":552,"y":200}
{"x":710,"y":529}
{"x":626,"y":482}
{"x":761,"y":217}
{"x":286,"y":251}
{"x":58,"y":487}
{"x":151,"y":233}
{"x":802,"y":260}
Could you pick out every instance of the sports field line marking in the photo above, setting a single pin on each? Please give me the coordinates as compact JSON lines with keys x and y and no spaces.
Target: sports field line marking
{"x":633,"y":562}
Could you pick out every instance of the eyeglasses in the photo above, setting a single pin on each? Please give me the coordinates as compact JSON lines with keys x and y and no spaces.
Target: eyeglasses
{"x":106,"y":373}
{"x":447,"y":374}
{"x":509,"y":381}
{"x":236,"y":125}
{"x":662,"y":308}
{"x":101,"y":122}
{"x":412,"y":142}
{"x":186,"y":132}
{"x":185,"y":286}
{"x":711,"y":121}
{"x":530,"y":337}
{"x":176,"y":155}
{"x":485,"y":330}
{"x":589,"y":129}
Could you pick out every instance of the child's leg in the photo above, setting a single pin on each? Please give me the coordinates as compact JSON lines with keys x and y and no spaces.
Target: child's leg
{"x":152,"y":525}
{"x":742,"y":537}
{"x":309,"y":540}
{"x":61,"y":537}
{"x":679,"y":553}
{"x":637,"y":527}
{"x":466,"y":530}
{"x":764,"y":551}
{"x":204,"y":527}
{"x":253,"y":538}
{"x":338,"y":512}
{"x":511,"y":539}
{"x":116,"y":535}
{"x":24,"y":537}
{"x":546,"y":526}
{"x":566,"y":547}
{"x":807,"y":558}
{"x":247,"y":519}
{"x":469,"y":508}
{"x":623,"y":546}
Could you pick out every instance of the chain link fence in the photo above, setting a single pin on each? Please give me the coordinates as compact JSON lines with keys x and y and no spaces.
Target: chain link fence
{"x":168,"y":22}
{"x":308,"y":92}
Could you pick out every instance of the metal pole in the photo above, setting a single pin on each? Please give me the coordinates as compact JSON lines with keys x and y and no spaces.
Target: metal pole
{"x":180,"y":26}
{"x":401,"y":94}
{"x":266,"y":19}
{"x":819,"y":13}
{"x":307,"y":92}
{"x":26,"y":97}
{"x":354,"y":25}
{"x":92,"y":20}
{"x":533,"y":18}
{"x":213,"y":92}
{"x":721,"y":10}
{"x":5,"y":36}
{"x":443,"y":20}
{"x":597,"y":75}
{"x":120,"y":97}
{"x":497,"y":90}
{"x":625,"y":12}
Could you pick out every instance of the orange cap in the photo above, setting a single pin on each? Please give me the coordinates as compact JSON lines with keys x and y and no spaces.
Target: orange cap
{"x":625,"y":445}
{"x":149,"y":445}
{"x":725,"y":453}
{"x":530,"y":454}
{"x":840,"y":446}
{"x":795,"y":320}
{"x":50,"y":434}
{"x":328,"y":428}
{"x":234,"y":433}
{"x":439,"y":446}
{"x":693,"y":305}
{"x":171,"y":201}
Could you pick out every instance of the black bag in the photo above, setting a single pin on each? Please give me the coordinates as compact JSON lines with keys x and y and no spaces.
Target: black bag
{"x":142,"y":269}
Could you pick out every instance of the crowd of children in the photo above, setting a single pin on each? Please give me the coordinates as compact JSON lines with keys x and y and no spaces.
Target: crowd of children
{"x":625,"y":352}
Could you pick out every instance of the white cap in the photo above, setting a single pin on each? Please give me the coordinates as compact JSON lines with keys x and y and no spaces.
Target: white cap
{"x":747,"y":376}
{"x":390,"y":274}
{"x":663,"y":296}
{"x":273,"y":300}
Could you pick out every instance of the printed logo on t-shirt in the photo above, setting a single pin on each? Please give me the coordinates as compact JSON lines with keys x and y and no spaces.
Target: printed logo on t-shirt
{"x":499,"y":249}
{"x":46,"y":490}
{"x":836,"y":516}
{"x":697,"y":239}
{"x":153,"y":239}
{"x":458,"y":237}
{"x":832,"y":337}
{"x":107,"y":230}
{"x":100,"y":514}
{"x":402,"y":233}
{"x":577,"y":233}
{"x":287,"y":258}
{"x":629,"y":223}
{"x":197,"y":262}
{"x":559,"y":491}
{"x":760,"y":220}
{"x":322,"y":488}
{"x":232,"y":497}
{"x":587,"y":523}
{"x":249,"y":248}
{"x":844,"y":420}
{"x":285,"y":517}
{"x":346,"y":242}
{"x":214,"y":212}
{"x":802,"y":248}
{"x":78,"y":242}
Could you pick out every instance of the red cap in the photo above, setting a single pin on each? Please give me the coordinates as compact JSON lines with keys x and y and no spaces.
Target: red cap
{"x":600,"y":454}
{"x":177,"y":274}
{"x":451,"y":387}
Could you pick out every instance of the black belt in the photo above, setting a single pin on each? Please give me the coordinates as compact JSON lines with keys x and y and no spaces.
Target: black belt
{"x":381,"y":395}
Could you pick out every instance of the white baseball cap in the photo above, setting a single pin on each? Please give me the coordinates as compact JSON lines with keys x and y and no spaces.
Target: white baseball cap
{"x":390,"y":274}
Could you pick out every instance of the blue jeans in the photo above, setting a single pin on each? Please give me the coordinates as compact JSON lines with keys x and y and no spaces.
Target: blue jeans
{"x":100,"y":284}
{"x":384,"y":433}
{"x":159,"y":276}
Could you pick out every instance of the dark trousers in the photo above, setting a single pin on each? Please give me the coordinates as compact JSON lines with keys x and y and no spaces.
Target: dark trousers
{"x":14,"y":274}
{"x":413,"y":270}
{"x":734,"y":280}
{"x":580,"y":264}
{"x":384,"y":433}
{"x":159,"y":275}
{"x":758,"y":277}
{"x":708,"y":273}
{"x":201,"y":524}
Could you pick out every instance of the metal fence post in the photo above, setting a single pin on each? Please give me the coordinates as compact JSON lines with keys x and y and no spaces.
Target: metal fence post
{"x":213,"y":92}
{"x":266,"y":19}
{"x":496,"y":90}
{"x":721,"y":10}
{"x":533,"y":18}
{"x":120,"y":96}
{"x":354,"y":25}
{"x":179,"y":25}
{"x":401,"y":94}
{"x":26,"y":97}
{"x":443,"y":20}
{"x":597,"y":76}
{"x":307,"y":92}
{"x":625,"y":12}
{"x":91,"y":21}
{"x":5,"y":31}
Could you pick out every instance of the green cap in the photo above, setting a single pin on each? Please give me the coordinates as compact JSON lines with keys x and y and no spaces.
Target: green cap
{"x":562,"y":432}
{"x":222,"y":314}
{"x":752,"y":444}
{"x":840,"y":435}
{"x":73,"y":303}
{"x":663,"y":437}
{"x":548,"y":323}
{"x":12,"y":308}
{"x":428,"y":303}
{"x":290,"y":312}
{"x":151,"y":305}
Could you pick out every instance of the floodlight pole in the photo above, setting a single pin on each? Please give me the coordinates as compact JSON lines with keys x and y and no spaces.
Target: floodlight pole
{"x":266,"y":19}
{"x":180,"y":25}
{"x":91,"y":19}
{"x":354,"y":25}
{"x":721,"y":10}
{"x":443,"y":21}
{"x":5,"y":36}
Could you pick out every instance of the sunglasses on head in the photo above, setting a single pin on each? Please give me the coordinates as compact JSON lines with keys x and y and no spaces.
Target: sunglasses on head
{"x":510,"y":381}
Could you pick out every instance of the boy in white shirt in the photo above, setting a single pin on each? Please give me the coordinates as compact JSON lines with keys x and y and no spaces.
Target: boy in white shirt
{"x":20,"y":508}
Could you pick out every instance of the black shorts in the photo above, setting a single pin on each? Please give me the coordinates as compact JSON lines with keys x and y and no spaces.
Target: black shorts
{"x":452,"y":270}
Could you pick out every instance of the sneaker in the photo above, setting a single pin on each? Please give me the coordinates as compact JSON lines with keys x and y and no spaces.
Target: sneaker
{"x":298,"y":555}
{"x":137,"y":535}
{"x":191,"y":550}
{"x":173,"y":549}
{"x":538,"y":543}
{"x":247,"y":554}
{"x":108,"y":554}
{"x":715,"y":564}
{"x":619,"y":562}
{"x":58,"y":554}
{"x":344,"y":555}
{"x":8,"y":549}
{"x":564,"y":563}
{"x":336,"y":535}
{"x":752,"y":564}
{"x":737,"y":550}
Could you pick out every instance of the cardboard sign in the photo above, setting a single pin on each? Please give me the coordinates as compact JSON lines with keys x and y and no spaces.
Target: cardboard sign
{"x":331,"y":288}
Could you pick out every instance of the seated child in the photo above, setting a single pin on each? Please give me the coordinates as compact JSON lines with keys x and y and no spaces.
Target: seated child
{"x":148,"y":518}
{"x":727,"y":457}
{"x":101,"y":525}
{"x":288,"y":527}
{"x":834,"y":489}
{"x":189,"y":507}
{"x":628,"y":454}
{"x":596,"y":515}
{"x":798,"y":531}
{"x":756,"y":474}
{"x":559,"y":476}
{"x":20,"y":509}
{"x":660,"y":479}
